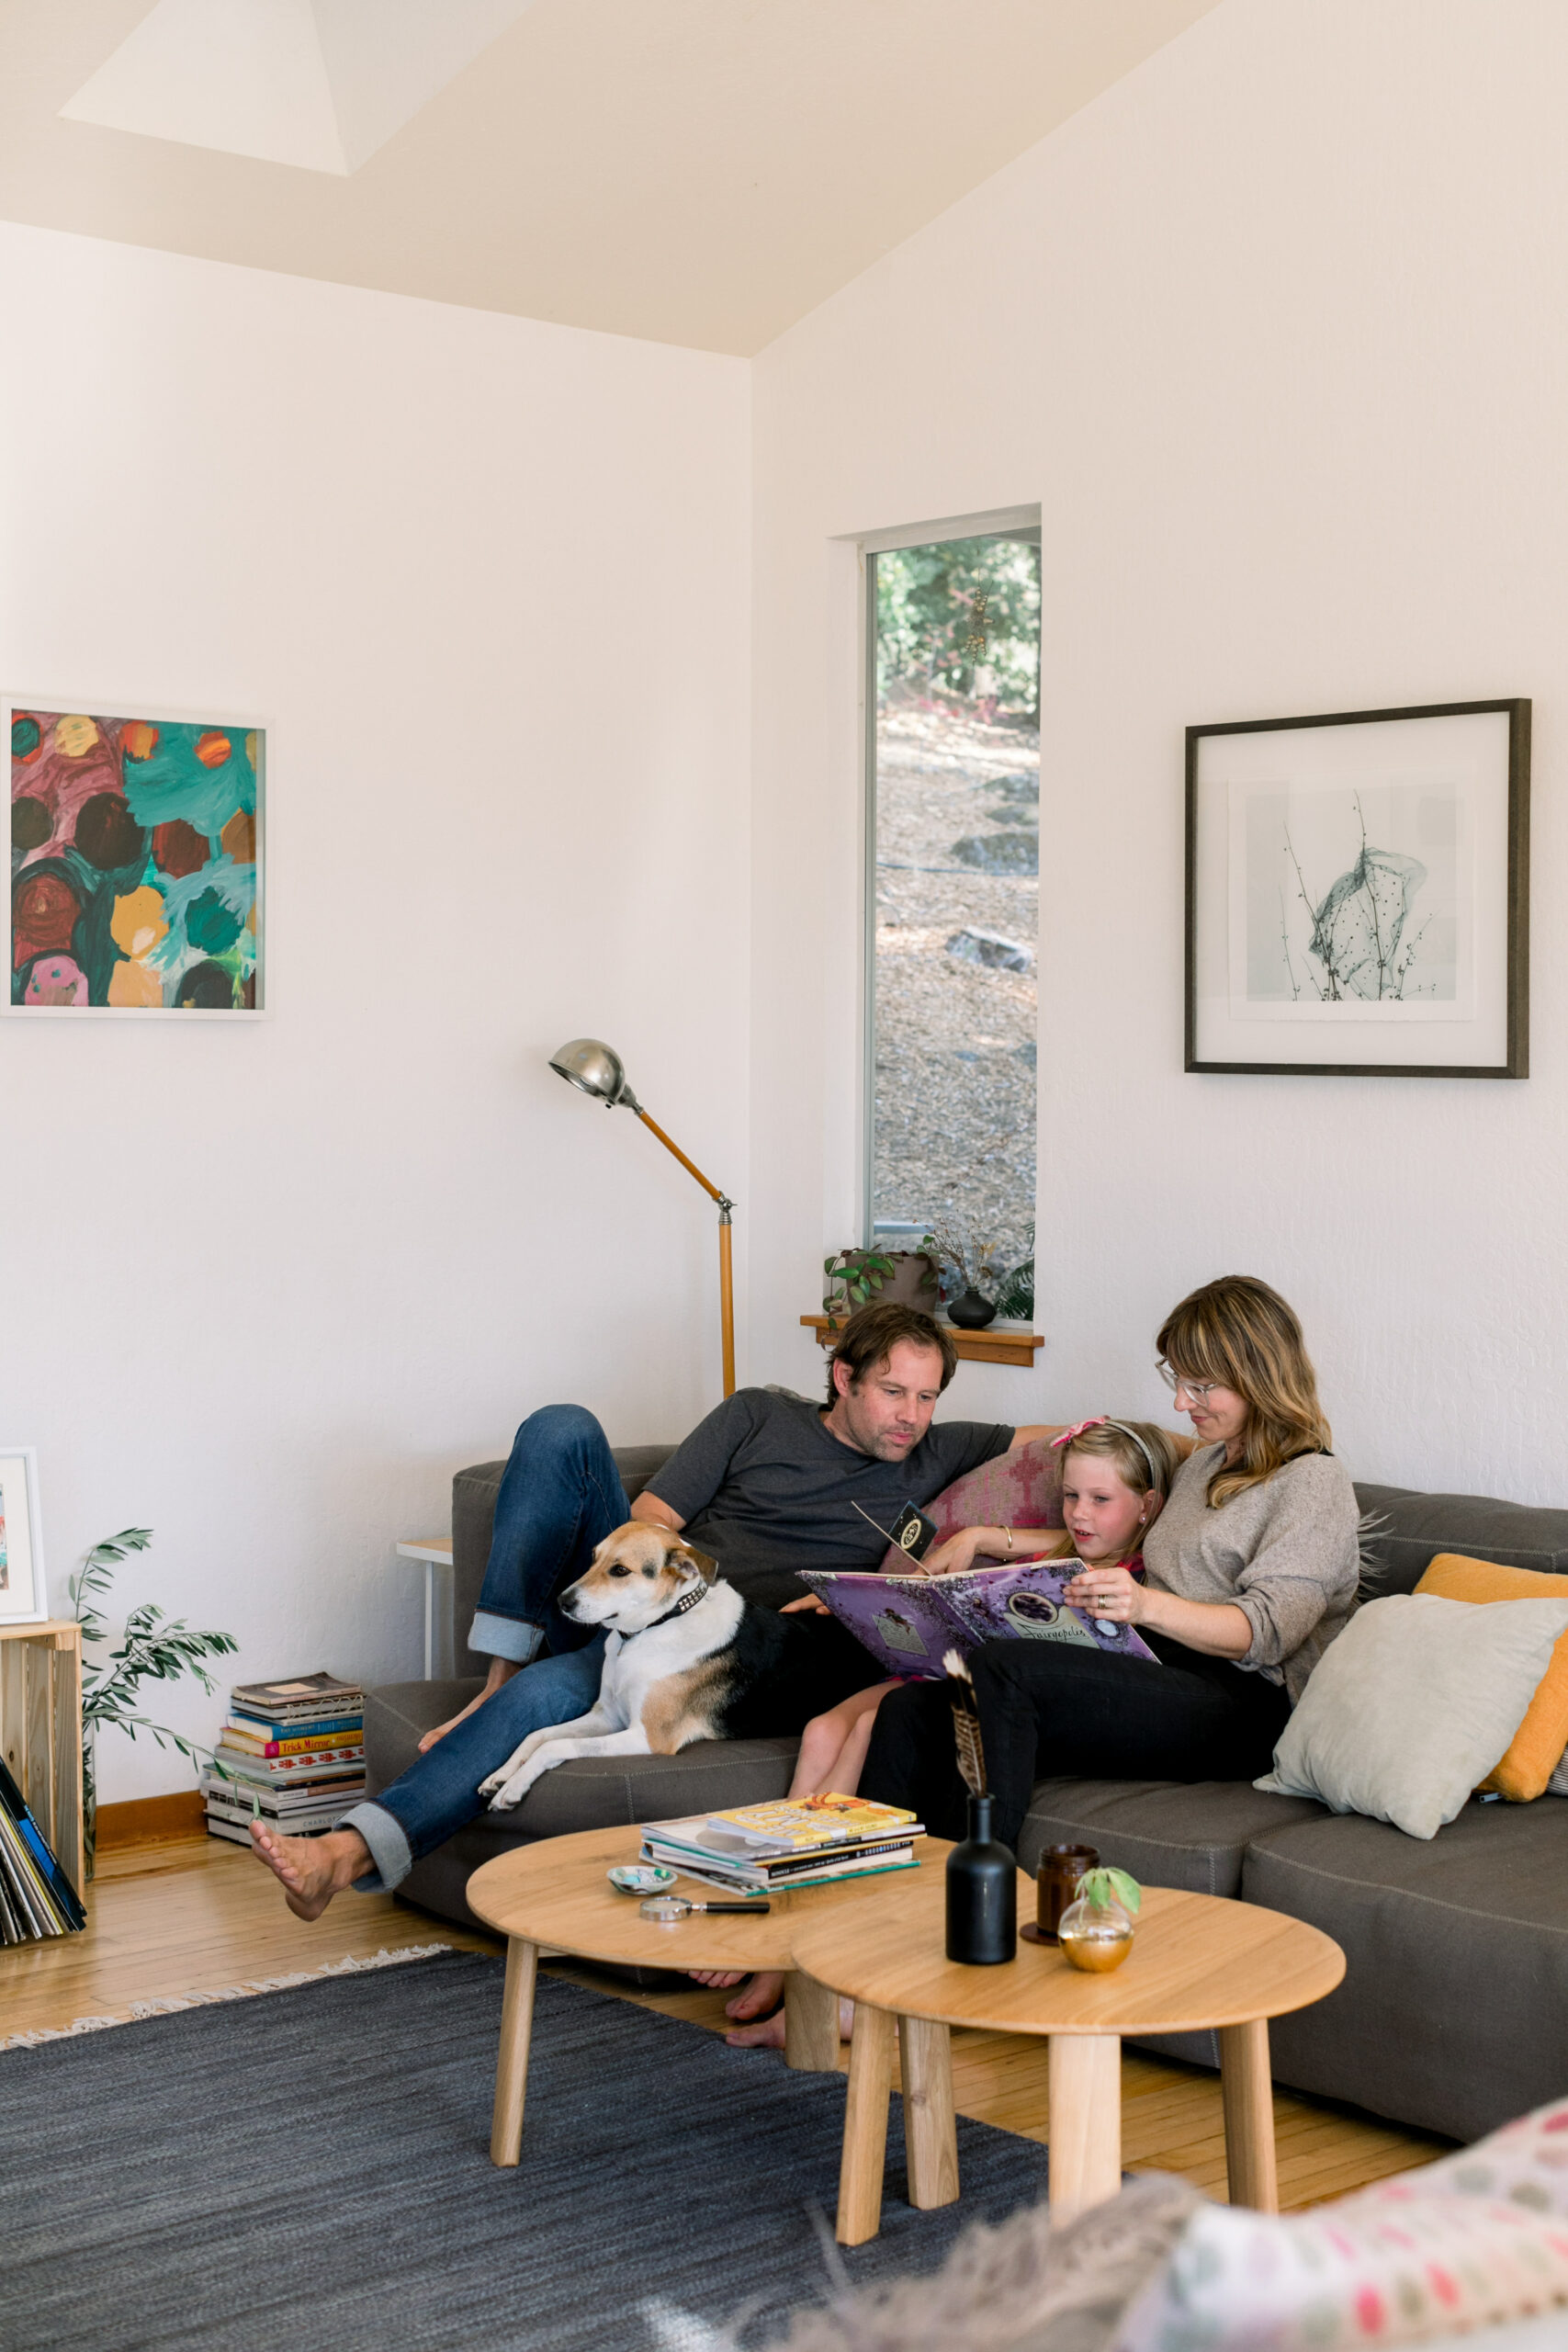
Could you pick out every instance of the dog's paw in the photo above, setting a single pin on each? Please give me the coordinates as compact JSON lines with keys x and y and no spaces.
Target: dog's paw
{"x":496,"y":1781}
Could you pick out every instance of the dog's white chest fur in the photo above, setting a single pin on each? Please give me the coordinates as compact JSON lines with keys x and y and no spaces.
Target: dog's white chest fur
{"x":634,"y":1662}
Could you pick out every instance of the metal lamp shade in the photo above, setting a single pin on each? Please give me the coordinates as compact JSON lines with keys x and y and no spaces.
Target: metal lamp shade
{"x":594,"y":1068}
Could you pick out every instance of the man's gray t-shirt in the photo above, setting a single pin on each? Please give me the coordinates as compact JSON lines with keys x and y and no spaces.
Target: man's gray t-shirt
{"x":766,"y":1486}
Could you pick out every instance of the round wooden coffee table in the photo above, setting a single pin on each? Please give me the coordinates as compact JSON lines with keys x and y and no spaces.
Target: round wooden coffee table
{"x":1197,"y":1961}
{"x":555,"y":1894}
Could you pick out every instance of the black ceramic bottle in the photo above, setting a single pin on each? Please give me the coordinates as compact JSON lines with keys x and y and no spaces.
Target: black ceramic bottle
{"x":982,"y":1895}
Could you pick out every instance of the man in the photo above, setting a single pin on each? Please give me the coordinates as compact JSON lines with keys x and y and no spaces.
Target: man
{"x":768,"y":1483}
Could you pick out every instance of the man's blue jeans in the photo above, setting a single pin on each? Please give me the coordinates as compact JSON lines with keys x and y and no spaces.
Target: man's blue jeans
{"x":560,"y":1495}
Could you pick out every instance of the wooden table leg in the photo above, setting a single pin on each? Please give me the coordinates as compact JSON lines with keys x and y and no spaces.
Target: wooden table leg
{"x":511,"y":2065}
{"x":930,"y":2134}
{"x":1249,"y":2092}
{"x":1085,"y":2121}
{"x":865,"y":2125}
{"x":811,"y":2025}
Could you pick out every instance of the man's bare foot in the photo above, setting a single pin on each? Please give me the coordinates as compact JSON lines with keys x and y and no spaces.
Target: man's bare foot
{"x":501,"y":1670}
{"x":311,"y":1871}
{"x":768,"y":2033}
{"x":718,"y":1980}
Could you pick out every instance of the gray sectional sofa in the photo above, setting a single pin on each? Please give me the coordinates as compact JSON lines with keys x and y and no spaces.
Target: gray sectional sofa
{"x":1453,"y":2015}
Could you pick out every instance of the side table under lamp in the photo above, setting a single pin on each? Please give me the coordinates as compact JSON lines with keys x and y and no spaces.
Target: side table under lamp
{"x":594,"y":1068}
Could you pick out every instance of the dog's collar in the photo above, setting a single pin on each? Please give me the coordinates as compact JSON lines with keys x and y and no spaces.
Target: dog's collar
{"x":687,"y":1601}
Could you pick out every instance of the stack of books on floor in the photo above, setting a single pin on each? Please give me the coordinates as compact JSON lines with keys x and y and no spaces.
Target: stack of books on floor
{"x":291,"y":1754}
{"x":794,"y":1841}
{"x":37,"y":1899}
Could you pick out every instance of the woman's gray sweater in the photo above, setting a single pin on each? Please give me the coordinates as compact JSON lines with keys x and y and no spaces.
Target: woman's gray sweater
{"x":1286,"y":1554}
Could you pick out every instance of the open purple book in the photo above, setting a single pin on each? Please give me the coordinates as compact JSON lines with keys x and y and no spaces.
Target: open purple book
{"x":907,"y":1622}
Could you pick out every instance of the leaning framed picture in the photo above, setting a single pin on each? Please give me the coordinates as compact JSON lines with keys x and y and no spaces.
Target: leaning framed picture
{"x":1358,"y":893}
{"x":136,"y":859}
{"x":23,"y":1600}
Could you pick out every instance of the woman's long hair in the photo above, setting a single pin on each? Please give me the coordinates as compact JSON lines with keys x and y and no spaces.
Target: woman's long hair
{"x":1240,"y":1334}
{"x":1143,"y":1457}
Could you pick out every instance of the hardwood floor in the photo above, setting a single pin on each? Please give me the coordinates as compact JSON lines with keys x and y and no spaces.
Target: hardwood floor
{"x":200,"y":1915}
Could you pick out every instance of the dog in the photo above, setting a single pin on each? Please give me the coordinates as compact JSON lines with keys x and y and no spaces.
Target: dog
{"x":687,"y":1660}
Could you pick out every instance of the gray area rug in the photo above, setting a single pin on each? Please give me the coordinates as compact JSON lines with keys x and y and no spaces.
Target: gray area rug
{"x":309,"y":2171}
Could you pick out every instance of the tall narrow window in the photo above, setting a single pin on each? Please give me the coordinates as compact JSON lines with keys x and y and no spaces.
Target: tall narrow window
{"x":953,"y":763}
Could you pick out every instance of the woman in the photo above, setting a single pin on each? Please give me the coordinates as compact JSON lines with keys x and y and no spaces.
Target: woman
{"x":1251,"y":1569}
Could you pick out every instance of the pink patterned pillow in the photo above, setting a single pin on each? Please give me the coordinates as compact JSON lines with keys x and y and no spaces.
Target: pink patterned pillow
{"x":1019,"y":1489}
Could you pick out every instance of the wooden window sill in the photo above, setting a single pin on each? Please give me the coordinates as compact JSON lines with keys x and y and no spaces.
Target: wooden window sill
{"x":997,"y":1343}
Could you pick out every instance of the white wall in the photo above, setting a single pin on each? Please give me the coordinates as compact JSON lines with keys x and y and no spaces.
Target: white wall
{"x":263,"y":1287}
{"x":1276,"y":332}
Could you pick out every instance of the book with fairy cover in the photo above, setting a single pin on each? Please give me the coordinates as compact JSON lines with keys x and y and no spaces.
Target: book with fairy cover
{"x":907,"y":1622}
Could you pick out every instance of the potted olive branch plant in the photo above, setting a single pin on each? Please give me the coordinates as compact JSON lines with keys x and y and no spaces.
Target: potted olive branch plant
{"x":153,"y":1649}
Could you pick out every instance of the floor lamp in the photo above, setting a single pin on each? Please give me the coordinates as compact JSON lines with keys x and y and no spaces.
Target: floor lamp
{"x":594,"y":1068}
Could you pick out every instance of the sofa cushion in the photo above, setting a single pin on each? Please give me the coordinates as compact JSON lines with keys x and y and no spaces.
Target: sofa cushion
{"x":1192,"y":1834}
{"x":1410,"y":1529}
{"x":1415,"y":1703}
{"x":1537,"y":1747}
{"x":1453,"y":2014}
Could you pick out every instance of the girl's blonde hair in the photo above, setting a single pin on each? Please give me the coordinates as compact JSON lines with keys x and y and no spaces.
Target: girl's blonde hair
{"x":1143,"y":1457}
{"x":1241,"y":1335}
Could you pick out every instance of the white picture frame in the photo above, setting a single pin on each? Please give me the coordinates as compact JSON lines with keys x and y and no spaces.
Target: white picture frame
{"x":1357,"y":900}
{"x":24,"y":1594}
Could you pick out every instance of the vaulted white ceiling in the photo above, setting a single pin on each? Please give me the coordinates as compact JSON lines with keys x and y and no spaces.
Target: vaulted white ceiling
{"x":700,"y":172}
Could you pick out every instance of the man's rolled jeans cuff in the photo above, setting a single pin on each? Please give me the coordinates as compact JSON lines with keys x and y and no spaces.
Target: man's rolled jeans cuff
{"x":389,"y":1849}
{"x":511,"y":1638}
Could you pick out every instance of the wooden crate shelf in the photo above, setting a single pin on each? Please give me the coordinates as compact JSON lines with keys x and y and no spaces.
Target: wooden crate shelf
{"x":997,"y":1343}
{"x":41,"y":1730}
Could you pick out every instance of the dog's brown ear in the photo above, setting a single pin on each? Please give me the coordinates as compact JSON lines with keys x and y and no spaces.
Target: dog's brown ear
{"x":709,"y":1566}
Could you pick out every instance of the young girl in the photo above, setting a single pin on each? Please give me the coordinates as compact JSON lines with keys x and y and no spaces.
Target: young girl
{"x":1114,"y":1479}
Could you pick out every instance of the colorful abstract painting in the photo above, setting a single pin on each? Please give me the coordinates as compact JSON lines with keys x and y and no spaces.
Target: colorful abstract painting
{"x":133,"y":863}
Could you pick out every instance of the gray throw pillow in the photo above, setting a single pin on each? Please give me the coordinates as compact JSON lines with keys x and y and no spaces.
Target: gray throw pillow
{"x":1414,"y":1705}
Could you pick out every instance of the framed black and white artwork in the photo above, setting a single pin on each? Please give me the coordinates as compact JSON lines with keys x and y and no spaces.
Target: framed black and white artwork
{"x":1357,"y":894}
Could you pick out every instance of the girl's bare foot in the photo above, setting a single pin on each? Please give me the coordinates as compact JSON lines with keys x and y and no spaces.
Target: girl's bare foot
{"x":311,"y":1871}
{"x":761,"y":1996}
{"x":501,"y":1669}
{"x":768,"y":2033}
{"x":718,"y":1979}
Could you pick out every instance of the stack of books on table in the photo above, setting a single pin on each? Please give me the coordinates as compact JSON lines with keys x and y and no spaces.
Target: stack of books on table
{"x":37,"y":1899}
{"x":794,"y":1841}
{"x":291,"y":1754}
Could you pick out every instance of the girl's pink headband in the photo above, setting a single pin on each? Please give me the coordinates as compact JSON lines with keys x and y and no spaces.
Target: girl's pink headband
{"x":1103,"y":1422}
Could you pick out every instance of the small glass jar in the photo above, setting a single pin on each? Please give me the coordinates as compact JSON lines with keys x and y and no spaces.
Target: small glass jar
{"x":1056,"y":1886}
{"x":1095,"y":1936}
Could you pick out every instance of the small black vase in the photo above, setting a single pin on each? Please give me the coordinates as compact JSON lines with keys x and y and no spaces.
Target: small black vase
{"x":982,"y":1895}
{"x":971,"y":1312}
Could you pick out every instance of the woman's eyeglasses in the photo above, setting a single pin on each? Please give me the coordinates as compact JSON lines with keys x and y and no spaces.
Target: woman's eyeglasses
{"x":1198,"y":1390}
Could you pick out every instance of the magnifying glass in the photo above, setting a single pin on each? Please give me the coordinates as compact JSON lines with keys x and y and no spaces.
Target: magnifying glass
{"x":675,"y":1907}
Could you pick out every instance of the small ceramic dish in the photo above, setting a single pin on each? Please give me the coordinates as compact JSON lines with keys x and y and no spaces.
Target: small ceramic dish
{"x":640,"y":1878}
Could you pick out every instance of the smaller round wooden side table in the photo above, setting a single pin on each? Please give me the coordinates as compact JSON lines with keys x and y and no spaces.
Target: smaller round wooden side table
{"x":554,"y":1894}
{"x":1197,"y":1961}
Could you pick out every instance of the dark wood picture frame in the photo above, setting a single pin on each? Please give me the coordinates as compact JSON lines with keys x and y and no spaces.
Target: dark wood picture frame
{"x":1515,"y":1063}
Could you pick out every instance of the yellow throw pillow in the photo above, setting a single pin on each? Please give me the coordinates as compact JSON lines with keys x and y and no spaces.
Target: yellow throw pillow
{"x":1536,"y":1749}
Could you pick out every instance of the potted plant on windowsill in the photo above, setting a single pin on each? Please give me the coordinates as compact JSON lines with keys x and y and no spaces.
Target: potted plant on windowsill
{"x":891,"y":1277}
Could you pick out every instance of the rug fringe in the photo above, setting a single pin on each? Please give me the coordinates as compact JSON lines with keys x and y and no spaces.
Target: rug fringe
{"x":166,"y":2004}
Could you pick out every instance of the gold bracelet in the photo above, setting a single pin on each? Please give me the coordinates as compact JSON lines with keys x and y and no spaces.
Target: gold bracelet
{"x":1007,"y":1532}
